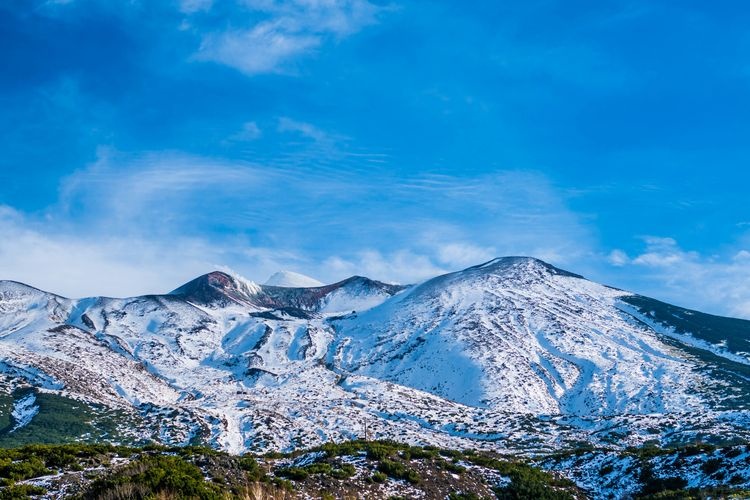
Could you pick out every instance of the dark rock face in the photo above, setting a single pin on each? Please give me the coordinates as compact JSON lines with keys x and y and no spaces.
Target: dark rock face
{"x":220,"y":289}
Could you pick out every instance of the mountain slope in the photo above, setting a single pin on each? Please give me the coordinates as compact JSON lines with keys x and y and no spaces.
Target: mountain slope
{"x":521,"y":336}
{"x":511,"y":354}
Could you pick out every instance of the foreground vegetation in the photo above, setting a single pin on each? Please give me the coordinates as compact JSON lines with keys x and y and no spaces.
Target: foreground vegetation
{"x":356,"y":469}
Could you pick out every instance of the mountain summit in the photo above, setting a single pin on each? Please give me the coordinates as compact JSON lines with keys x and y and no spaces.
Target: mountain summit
{"x":291,"y":279}
{"x":513,"y":353}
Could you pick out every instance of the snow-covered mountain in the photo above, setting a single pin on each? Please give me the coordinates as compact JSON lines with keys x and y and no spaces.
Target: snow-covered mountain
{"x":510,"y":354}
{"x":291,"y":279}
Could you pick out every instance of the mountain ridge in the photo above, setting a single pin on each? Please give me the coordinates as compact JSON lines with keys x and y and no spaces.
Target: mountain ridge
{"x":471,"y":358}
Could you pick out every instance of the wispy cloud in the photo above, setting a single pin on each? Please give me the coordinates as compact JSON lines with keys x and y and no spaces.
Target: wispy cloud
{"x":265,"y":48}
{"x":307,"y":130}
{"x":192,"y":6}
{"x":157,"y":218}
{"x":250,"y":131}
{"x":400,"y":266}
{"x":291,"y":28}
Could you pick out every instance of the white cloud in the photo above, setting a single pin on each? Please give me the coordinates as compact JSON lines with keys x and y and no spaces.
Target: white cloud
{"x":290,"y":29}
{"x":719,"y":284}
{"x":618,"y":258}
{"x":304,"y":129}
{"x":338,"y":17}
{"x":250,"y":131}
{"x":154,"y":189}
{"x":193,"y":6}
{"x":263,"y":49}
{"x":457,"y":255}
{"x":663,"y":252}
{"x":401,"y":266}
{"x":80,"y":264}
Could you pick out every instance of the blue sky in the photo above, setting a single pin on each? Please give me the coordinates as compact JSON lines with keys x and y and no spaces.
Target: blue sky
{"x":146,"y":142}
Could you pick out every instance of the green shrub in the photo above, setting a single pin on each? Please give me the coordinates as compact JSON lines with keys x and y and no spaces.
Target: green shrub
{"x":319,"y":468}
{"x":528,"y":482}
{"x":463,"y":496}
{"x":654,"y":485}
{"x":156,"y":474}
{"x":251,"y":467}
{"x":417,"y":453}
{"x":379,"y":477}
{"x":398,"y":470}
{"x":344,"y":472}
{"x":293,"y":473}
{"x":451,"y":467}
{"x":525,"y":481}
{"x":379,"y":451}
{"x":21,"y":492}
{"x":24,"y":469}
{"x":284,"y":484}
{"x":455,"y":454}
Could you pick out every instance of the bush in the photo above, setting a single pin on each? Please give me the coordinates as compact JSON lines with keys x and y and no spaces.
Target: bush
{"x":319,"y":468}
{"x":398,"y":470}
{"x":293,"y":473}
{"x":21,"y":492}
{"x":379,"y":451}
{"x":463,"y":496}
{"x":711,"y":465}
{"x":525,"y":481}
{"x":653,"y":485}
{"x":379,"y":477}
{"x":454,"y":468}
{"x":283,"y":484}
{"x":346,"y":471}
{"x":736,"y":479}
{"x":417,"y":453}
{"x":250,"y":465}
{"x":26,"y":468}
{"x":155,"y":475}
{"x":732,"y":452}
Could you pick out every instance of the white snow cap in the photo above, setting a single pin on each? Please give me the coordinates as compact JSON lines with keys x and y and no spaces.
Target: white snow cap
{"x":292,"y":280}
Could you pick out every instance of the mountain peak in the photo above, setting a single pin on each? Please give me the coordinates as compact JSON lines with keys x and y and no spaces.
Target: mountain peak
{"x":217,"y":287}
{"x":522,"y":262}
{"x":290,"y":279}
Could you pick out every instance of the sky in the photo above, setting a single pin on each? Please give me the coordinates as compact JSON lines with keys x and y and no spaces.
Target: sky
{"x":144,"y":143}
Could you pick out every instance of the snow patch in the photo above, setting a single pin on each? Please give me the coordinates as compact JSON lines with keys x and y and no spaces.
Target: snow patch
{"x":24,"y":411}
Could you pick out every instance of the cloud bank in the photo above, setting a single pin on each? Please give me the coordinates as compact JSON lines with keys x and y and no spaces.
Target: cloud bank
{"x":132,"y":224}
